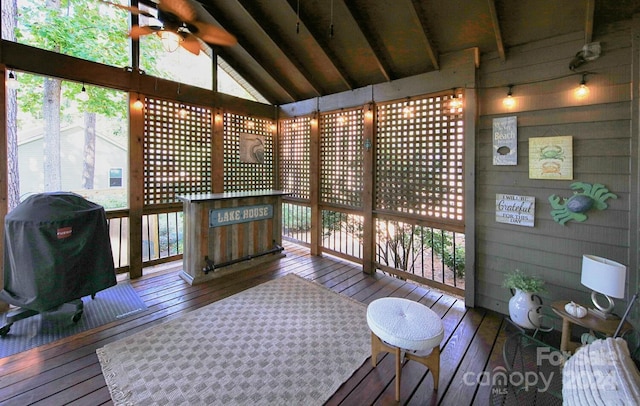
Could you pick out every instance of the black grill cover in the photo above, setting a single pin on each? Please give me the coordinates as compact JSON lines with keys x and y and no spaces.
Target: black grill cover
{"x":57,"y":249}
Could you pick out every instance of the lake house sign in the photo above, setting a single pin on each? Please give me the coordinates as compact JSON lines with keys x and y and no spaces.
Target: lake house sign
{"x":236,"y":215}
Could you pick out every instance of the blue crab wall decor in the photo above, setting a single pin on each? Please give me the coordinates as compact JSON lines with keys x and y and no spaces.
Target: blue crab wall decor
{"x":575,"y":207}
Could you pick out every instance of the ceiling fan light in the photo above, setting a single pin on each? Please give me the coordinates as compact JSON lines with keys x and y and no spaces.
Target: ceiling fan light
{"x":170,"y":41}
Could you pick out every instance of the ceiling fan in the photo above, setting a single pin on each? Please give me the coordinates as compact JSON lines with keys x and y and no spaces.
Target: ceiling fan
{"x":184,"y":23}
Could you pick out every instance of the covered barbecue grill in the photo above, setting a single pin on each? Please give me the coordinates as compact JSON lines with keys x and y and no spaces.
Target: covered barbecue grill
{"x":57,"y":250}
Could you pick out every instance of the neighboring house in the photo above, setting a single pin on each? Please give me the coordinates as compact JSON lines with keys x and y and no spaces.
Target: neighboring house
{"x":110,"y":167}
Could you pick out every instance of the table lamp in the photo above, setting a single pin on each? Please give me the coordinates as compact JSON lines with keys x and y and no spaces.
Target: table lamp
{"x":606,"y":277}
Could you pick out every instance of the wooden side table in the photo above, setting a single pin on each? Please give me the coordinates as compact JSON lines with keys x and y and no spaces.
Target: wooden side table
{"x":593,"y":323}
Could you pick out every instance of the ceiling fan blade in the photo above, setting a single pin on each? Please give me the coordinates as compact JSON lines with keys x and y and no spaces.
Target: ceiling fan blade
{"x":137,"y":31}
{"x":191,"y":44}
{"x":213,"y":35}
{"x":185,"y":10}
{"x":131,"y":9}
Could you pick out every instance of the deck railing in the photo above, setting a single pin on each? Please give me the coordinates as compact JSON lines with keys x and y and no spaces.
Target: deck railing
{"x":403,"y":248}
{"x":162,"y":236}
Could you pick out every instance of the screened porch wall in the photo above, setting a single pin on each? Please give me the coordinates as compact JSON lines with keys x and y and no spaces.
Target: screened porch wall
{"x":381,"y":184}
{"x":185,"y":148}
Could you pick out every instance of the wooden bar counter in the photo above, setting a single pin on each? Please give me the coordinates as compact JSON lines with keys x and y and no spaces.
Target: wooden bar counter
{"x":229,"y":232}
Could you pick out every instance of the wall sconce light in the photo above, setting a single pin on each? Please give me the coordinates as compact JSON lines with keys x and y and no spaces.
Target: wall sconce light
{"x":183,"y":113}
{"x":367,"y":144}
{"x":138,"y":104}
{"x":83,"y":95}
{"x":314,"y":121}
{"x":456,"y":102}
{"x":218,"y":117}
{"x":12,"y":81}
{"x":582,"y":90}
{"x":509,"y":102}
{"x":273,"y":127}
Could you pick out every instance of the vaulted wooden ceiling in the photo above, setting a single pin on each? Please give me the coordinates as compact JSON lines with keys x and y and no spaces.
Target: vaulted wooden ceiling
{"x":292,"y":50}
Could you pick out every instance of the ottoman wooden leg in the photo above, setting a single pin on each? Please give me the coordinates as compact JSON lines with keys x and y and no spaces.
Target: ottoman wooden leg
{"x":398,"y":354}
{"x":376,"y":348}
{"x":431,"y":361}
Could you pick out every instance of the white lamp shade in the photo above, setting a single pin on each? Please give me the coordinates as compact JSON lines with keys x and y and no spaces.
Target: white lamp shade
{"x":603,"y":276}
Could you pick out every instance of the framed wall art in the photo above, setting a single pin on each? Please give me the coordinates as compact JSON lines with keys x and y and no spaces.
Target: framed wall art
{"x":551,"y":158}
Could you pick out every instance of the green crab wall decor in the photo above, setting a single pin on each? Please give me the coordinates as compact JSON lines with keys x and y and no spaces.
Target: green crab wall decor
{"x":575,"y":207}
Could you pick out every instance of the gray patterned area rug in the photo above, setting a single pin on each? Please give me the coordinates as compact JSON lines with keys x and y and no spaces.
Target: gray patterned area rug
{"x":110,"y":304}
{"x":286,"y":342}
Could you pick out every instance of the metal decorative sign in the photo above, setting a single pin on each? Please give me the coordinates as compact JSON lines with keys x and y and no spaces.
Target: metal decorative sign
{"x":514,"y":209}
{"x":235,"y":215}
{"x":575,"y":207}
{"x":505,"y":141}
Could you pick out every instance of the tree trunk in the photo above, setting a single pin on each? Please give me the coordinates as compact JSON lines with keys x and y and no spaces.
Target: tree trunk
{"x":9,"y":21}
{"x":51,"y":145}
{"x":51,"y":115}
{"x":89,"y":162}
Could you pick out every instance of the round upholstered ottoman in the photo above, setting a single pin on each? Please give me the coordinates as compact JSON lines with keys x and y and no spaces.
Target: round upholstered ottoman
{"x":402,"y":325}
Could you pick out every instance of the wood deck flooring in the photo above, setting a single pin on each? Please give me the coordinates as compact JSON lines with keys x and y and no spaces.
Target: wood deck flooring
{"x":67,"y":372}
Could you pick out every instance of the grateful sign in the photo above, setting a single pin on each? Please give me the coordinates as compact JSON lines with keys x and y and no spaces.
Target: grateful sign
{"x":514,"y":209}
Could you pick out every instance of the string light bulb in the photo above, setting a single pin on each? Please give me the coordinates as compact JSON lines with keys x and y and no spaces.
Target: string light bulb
{"x":12,"y":81}
{"x":456,"y":102}
{"x":183,"y":113}
{"x":83,"y":95}
{"x":138,"y":104}
{"x":509,"y":102}
{"x":369,"y":113}
{"x":407,"y":110}
{"x":582,"y":91}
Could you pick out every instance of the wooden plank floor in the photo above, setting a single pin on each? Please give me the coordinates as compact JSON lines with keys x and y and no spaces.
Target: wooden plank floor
{"x":68,"y":372}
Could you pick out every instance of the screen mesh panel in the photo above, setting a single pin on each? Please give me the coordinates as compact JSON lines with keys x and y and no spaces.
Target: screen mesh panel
{"x":177,"y":150}
{"x":419,"y":161}
{"x":243,"y":170}
{"x":295,"y":144}
{"x":341,"y":170}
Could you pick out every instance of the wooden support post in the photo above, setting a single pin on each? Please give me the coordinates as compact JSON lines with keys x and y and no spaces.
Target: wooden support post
{"x":217,"y":152}
{"x":368,"y":167}
{"x":136,"y":185}
{"x":4,"y":181}
{"x":314,"y":183}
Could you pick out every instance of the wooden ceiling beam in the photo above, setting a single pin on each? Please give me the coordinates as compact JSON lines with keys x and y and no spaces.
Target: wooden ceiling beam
{"x":249,"y":8}
{"x":255,"y":81}
{"x":248,"y":46}
{"x":588,"y":23}
{"x":421,"y":21}
{"x":340,"y":70}
{"x":496,"y":29}
{"x":369,"y":36}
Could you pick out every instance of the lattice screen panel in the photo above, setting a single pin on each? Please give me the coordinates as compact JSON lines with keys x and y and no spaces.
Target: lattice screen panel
{"x":247,"y":141}
{"x":294,"y":150}
{"x":419,"y":158}
{"x":341,"y":157}
{"x":177,"y":151}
